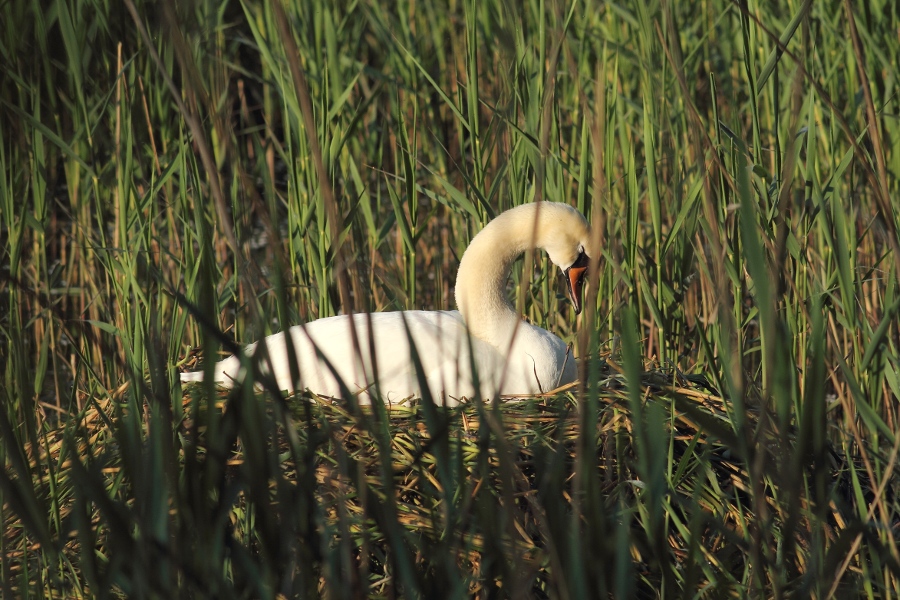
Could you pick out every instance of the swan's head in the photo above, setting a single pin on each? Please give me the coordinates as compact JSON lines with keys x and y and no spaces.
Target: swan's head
{"x":566,"y":237}
{"x":557,"y":228}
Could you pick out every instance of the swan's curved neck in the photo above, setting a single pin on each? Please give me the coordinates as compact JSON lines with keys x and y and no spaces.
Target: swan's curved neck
{"x":484,"y":271}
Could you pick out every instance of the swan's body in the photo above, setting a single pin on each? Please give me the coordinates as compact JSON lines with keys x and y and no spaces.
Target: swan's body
{"x":510,"y":356}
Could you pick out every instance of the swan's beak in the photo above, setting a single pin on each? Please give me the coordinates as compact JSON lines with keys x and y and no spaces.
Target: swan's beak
{"x":575,"y":280}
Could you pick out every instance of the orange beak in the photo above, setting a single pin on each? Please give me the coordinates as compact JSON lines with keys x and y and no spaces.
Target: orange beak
{"x":575,"y":280}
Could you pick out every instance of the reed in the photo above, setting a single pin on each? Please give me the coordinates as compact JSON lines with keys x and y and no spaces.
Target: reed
{"x":179,"y":179}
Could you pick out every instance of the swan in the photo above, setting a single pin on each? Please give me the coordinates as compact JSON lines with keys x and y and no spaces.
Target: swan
{"x":511,"y":357}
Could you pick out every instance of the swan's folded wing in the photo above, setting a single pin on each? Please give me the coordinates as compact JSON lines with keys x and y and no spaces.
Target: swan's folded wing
{"x":383,"y":346}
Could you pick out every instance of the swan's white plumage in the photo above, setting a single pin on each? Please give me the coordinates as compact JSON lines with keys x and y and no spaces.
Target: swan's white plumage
{"x":510,"y":356}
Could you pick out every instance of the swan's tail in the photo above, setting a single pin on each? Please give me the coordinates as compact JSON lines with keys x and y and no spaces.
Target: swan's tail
{"x":193,"y":376}
{"x":226,"y":373}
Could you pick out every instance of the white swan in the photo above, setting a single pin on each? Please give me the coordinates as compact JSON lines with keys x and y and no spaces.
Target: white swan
{"x":510,"y":356}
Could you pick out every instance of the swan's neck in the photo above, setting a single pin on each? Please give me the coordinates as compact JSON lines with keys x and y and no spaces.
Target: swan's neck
{"x":483,"y":273}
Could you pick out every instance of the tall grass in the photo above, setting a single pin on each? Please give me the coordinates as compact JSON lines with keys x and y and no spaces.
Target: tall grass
{"x":182,"y":177}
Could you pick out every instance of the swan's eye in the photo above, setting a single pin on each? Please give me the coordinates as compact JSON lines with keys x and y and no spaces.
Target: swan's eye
{"x":581,"y":262}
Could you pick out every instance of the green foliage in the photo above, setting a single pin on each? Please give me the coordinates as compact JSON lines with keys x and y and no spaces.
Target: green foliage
{"x":174,"y":171}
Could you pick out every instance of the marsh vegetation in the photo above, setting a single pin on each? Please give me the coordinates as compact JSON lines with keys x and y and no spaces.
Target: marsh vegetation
{"x":182,"y":178}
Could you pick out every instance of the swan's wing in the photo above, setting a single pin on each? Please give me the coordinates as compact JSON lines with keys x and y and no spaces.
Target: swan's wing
{"x":383,"y":346}
{"x":442,"y":345}
{"x":537,"y":362}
